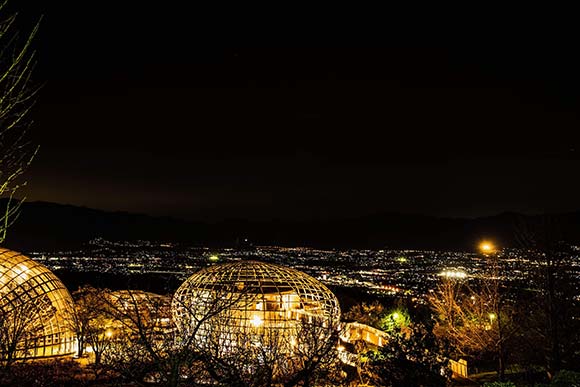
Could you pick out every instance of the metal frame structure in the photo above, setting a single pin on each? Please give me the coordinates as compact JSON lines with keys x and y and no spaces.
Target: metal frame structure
{"x":249,"y":304}
{"x":35,"y":301}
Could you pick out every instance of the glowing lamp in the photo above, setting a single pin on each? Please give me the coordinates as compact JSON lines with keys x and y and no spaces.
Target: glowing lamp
{"x":256,"y":321}
{"x":486,"y":247}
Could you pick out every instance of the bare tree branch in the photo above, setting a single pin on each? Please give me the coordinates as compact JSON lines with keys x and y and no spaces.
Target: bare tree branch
{"x":17,"y":97}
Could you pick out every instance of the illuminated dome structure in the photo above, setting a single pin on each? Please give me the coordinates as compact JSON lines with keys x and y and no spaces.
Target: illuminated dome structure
{"x":35,"y":309}
{"x":248,"y":305}
{"x":150,"y":309}
{"x":145,"y":303}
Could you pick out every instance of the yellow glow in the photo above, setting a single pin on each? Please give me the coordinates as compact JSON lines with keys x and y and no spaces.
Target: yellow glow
{"x":395,"y":316}
{"x":453,"y":274}
{"x":486,"y":247}
{"x":214,"y":258}
{"x":402,"y":259}
{"x":109,"y":333}
{"x":256,"y":321}
{"x":492,"y":316}
{"x":22,"y":279}
{"x":340,"y":348}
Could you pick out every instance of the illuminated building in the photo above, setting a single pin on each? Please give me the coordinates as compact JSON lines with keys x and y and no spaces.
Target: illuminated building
{"x":251,"y":305}
{"x":138,"y":301}
{"x":35,"y":308}
{"x":150,"y":309}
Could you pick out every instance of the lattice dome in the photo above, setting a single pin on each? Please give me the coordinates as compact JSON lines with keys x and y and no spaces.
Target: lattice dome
{"x":153,"y":309}
{"x":145,"y":303}
{"x":35,"y":308}
{"x":250,"y":304}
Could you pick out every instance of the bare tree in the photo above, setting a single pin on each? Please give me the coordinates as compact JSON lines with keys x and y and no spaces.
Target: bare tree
{"x":410,"y":358}
{"x":142,"y":335}
{"x":475,"y":319}
{"x":90,"y":321}
{"x":554,"y":318}
{"x":208,"y":345}
{"x":145,"y":342}
{"x":21,"y":326}
{"x":297,"y":352}
{"x":17,"y":60}
{"x":315,"y":353}
{"x":366,"y":313}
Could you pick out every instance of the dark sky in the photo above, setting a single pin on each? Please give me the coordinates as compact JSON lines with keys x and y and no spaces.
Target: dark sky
{"x":295,"y":114}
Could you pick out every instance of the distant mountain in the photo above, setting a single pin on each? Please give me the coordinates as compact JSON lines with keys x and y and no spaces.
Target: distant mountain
{"x":54,"y":226}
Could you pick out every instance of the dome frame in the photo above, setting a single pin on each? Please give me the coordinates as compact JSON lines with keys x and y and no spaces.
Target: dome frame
{"x":35,"y":310}
{"x":248,"y":306}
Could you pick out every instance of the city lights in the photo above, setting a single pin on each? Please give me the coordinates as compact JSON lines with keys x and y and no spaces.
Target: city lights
{"x":397,"y":207}
{"x":453,"y":274}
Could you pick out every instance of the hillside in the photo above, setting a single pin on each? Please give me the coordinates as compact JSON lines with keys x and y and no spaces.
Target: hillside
{"x":54,"y":226}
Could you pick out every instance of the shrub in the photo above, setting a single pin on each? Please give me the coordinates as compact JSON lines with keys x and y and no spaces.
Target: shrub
{"x":566,"y":378}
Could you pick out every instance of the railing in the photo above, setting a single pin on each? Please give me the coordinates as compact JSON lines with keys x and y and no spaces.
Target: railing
{"x":459,"y":368}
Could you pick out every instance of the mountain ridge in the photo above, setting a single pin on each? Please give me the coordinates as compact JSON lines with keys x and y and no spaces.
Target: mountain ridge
{"x":45,"y":225}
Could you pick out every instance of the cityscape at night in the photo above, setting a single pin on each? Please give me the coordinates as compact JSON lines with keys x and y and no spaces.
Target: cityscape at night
{"x":411,"y":274}
{"x":273,"y":197}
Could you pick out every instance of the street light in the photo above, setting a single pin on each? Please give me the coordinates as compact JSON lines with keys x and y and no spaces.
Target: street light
{"x":486,"y":247}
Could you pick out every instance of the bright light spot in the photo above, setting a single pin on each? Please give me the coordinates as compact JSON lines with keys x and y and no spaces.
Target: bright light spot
{"x":453,"y":274}
{"x":109,"y":333}
{"x":340,"y":348}
{"x":486,"y":247}
{"x":214,"y":258}
{"x":21,"y":272}
{"x":492,"y":316}
{"x":396,"y":316}
{"x":402,"y":259}
{"x":256,"y":321}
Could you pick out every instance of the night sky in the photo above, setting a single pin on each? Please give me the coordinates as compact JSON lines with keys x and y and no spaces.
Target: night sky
{"x":295,"y":114}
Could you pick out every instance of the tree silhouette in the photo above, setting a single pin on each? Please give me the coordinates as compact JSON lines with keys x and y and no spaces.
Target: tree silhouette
{"x":475,"y":320}
{"x":17,"y":96}
{"x":554,"y":311}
